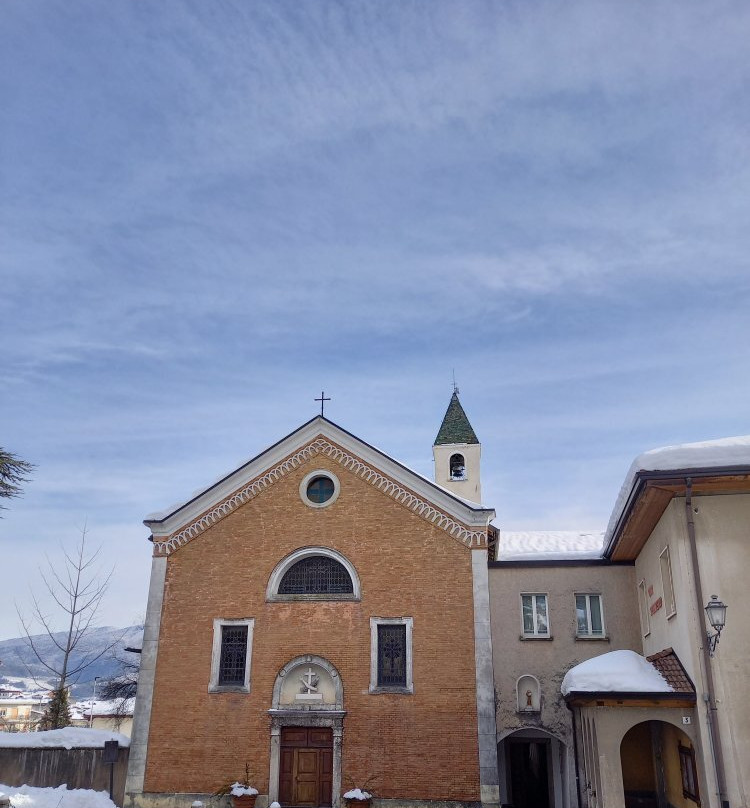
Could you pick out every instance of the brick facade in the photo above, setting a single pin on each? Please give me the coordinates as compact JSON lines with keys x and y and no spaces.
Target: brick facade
{"x":420,"y":746}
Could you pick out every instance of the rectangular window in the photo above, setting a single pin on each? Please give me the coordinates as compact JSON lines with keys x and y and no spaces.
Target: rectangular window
{"x":231,"y":654}
{"x":589,"y":616}
{"x":390,"y":655}
{"x":643,"y":603}
{"x":534,"y":615}
{"x":689,"y":773}
{"x":667,"y":584}
{"x":233,"y":651}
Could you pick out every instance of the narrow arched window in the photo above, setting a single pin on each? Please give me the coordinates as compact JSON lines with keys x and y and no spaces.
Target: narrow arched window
{"x":316,"y":575}
{"x":457,"y":467}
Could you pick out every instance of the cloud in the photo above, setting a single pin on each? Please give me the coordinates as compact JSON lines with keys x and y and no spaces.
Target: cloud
{"x":212,"y":212}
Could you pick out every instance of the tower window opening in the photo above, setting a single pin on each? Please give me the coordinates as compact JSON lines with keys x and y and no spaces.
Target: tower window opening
{"x":457,"y":467}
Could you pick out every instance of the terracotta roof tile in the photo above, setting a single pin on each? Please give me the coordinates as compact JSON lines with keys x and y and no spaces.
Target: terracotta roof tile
{"x":669,"y":666}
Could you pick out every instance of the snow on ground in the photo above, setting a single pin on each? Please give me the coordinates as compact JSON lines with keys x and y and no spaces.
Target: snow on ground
{"x":60,"y":797}
{"x":68,"y":738}
{"x":548,"y":545}
{"x":615,"y":672}
{"x":705,"y":454}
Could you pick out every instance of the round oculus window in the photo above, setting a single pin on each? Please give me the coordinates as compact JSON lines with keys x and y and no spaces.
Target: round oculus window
{"x":319,"y":488}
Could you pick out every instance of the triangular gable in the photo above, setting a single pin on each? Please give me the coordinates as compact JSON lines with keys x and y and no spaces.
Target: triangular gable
{"x":181,"y":523}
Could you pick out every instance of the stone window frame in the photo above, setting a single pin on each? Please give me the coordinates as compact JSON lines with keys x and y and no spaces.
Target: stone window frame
{"x":590,"y":634}
{"x":274,"y":581}
{"x":213,"y":683}
{"x":391,"y":621}
{"x":307,"y":479}
{"x":536,"y":635}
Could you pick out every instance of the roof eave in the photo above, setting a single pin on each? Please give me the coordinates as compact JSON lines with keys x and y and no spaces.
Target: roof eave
{"x":677,"y":477}
{"x":581,"y":697}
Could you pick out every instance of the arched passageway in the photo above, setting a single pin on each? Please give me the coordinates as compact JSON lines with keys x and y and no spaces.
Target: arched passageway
{"x":658,"y":767}
{"x":533,"y":769}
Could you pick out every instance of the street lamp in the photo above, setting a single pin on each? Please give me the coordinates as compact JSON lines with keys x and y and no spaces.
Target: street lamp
{"x":716,"y":612}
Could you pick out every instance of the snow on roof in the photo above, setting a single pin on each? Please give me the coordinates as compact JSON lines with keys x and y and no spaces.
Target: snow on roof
{"x":725,"y":452}
{"x":68,"y":738}
{"x":60,"y":797}
{"x":548,"y":545}
{"x":102,"y":708}
{"x":615,"y":672}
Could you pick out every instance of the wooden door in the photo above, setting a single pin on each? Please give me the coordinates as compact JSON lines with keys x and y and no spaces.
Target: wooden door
{"x":305,"y":776}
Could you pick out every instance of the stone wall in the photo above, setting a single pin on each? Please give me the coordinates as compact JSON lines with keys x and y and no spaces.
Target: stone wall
{"x":77,"y":768}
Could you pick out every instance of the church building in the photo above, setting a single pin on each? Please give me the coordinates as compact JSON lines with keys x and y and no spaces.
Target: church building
{"x":321,"y":615}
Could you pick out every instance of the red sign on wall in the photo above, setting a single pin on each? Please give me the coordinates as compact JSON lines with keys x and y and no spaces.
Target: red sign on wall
{"x":656,"y":605}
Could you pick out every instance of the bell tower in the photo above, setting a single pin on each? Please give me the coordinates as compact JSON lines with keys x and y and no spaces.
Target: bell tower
{"x":457,"y":452}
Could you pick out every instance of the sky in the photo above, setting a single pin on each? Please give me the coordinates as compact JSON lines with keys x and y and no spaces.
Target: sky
{"x":210,"y":212}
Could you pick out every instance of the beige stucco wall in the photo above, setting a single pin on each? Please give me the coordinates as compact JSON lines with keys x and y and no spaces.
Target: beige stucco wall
{"x":121,"y":724}
{"x":471,"y":487}
{"x":722,"y":525}
{"x":609,"y":726}
{"x":549,"y":660}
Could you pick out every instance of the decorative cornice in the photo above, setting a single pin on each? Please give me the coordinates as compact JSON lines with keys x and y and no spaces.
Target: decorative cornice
{"x":471,"y":538}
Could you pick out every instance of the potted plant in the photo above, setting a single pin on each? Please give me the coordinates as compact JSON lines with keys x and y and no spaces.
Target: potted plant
{"x":359,"y":796}
{"x":242,"y":793}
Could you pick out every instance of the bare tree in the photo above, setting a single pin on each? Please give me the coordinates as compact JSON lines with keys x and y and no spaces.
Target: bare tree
{"x":13,"y":472}
{"x":122,"y":685}
{"x":77,"y":589}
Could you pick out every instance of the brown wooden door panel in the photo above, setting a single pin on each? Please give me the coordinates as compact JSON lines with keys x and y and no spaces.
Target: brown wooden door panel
{"x":326,"y":777}
{"x":294,"y":736}
{"x":306,"y":781}
{"x":286,"y":777}
{"x":306,"y":766}
{"x":307,"y":762}
{"x":320,"y":737}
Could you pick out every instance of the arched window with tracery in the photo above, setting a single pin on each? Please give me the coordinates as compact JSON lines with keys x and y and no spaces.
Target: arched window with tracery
{"x":457,"y":467}
{"x":314,"y":573}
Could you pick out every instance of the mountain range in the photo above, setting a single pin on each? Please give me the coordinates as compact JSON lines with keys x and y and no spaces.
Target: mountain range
{"x":20,"y":667}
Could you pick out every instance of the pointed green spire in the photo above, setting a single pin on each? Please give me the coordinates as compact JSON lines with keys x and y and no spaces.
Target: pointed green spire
{"x":455,"y":427}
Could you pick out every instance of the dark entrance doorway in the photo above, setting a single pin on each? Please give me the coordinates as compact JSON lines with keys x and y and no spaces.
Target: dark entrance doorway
{"x":305,"y":778}
{"x":529,"y":780}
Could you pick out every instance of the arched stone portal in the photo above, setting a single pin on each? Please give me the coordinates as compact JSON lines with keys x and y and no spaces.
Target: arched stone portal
{"x":533,"y":767}
{"x":307,"y":709}
{"x":658,"y":767}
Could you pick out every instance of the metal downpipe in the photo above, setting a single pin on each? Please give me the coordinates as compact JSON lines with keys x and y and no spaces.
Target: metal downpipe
{"x":710,"y":696}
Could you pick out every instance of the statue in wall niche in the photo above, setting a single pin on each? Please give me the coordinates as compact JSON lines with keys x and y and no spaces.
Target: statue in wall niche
{"x":529,"y":695}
